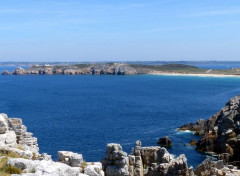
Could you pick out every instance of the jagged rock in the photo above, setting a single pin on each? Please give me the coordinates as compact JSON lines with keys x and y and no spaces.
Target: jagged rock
{"x":165,"y":141}
{"x":24,"y":138}
{"x":155,"y":155}
{"x":209,"y":167}
{"x":70,"y":158}
{"x":116,"y":162}
{"x":176,"y":167}
{"x":221,"y":132}
{"x":198,"y":127}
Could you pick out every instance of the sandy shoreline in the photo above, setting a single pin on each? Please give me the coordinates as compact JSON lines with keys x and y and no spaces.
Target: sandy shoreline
{"x":192,"y":74}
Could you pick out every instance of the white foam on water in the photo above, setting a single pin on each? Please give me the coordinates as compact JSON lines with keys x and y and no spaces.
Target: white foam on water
{"x":184,"y":132}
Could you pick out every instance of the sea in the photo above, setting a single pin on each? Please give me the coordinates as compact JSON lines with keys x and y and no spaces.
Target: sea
{"x":84,"y":113}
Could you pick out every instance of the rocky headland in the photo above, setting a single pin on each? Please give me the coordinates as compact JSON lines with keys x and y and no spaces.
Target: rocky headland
{"x":220,"y":133}
{"x":19,"y":156}
{"x":120,"y":69}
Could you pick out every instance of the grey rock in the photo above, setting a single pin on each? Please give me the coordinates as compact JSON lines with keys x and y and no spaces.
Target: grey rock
{"x":19,"y":71}
{"x":3,"y":123}
{"x":70,"y":158}
{"x":116,"y":162}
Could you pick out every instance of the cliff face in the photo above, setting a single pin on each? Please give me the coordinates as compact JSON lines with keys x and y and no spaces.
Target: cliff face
{"x":14,"y":135}
{"x":221,"y":132}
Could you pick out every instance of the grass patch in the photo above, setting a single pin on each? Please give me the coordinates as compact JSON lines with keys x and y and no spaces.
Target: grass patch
{"x":83,"y":165}
{"x":34,"y":157}
{"x":5,"y":169}
{"x":20,"y":147}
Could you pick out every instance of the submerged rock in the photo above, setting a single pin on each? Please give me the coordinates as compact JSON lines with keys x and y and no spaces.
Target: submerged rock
{"x":193,"y":142}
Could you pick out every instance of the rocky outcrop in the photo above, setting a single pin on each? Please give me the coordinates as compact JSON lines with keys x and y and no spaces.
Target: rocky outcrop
{"x":165,"y":142}
{"x":176,"y":167}
{"x":210,"y":167}
{"x":14,"y":135}
{"x":19,"y":71}
{"x":198,"y":127}
{"x":221,"y":132}
{"x":143,"y":161}
{"x":116,"y":162}
{"x":24,"y":138}
{"x":5,"y":72}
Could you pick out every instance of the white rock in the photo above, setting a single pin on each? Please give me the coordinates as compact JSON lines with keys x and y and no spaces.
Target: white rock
{"x":3,"y":123}
{"x":23,"y":153}
{"x":76,"y":160}
{"x":23,"y":164}
{"x":94,"y":169}
{"x":44,"y":168}
{"x":70,"y":158}
{"x":11,"y":138}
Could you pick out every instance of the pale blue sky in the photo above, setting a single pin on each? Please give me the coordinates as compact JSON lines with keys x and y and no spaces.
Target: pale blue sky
{"x":124,"y":30}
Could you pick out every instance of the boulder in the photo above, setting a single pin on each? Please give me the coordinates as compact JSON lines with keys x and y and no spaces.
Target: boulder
{"x":165,"y":141}
{"x":70,"y":158}
{"x":94,"y":169}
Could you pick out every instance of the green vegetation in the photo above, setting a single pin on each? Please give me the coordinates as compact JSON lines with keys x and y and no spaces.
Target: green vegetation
{"x":5,"y":169}
{"x":83,"y":165}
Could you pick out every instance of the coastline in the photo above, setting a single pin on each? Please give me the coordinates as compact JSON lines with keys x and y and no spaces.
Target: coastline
{"x":193,"y":74}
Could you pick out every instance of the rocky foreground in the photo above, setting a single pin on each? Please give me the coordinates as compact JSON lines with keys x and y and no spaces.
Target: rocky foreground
{"x":19,"y":156}
{"x":220,"y":133}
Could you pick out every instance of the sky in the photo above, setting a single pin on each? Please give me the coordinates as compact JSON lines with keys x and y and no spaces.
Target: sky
{"x":124,"y":30}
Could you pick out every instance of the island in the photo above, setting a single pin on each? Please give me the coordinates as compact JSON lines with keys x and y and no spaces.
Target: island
{"x":122,"y":69}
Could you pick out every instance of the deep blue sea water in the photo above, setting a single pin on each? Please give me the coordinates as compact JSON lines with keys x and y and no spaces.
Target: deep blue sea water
{"x":84,"y":113}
